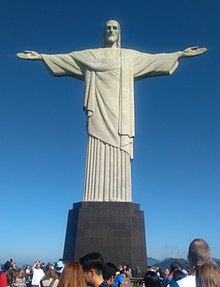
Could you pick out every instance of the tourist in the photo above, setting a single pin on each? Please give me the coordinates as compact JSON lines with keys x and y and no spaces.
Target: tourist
{"x":20,"y":279}
{"x":198,"y":254}
{"x":47,"y":268}
{"x":27,"y":270}
{"x":138,"y":272}
{"x":177,"y":275}
{"x":72,"y":276}
{"x":127,"y":271}
{"x":28,"y":275}
{"x":173,"y":267}
{"x":92,"y":264}
{"x":151,"y":279}
{"x":51,"y":278}
{"x":11,"y":275}
{"x":109,"y":273}
{"x":38,"y":274}
{"x":118,"y":279}
{"x":13,"y":264}
{"x":59,"y":267}
{"x":208,"y":275}
{"x":3,"y":279}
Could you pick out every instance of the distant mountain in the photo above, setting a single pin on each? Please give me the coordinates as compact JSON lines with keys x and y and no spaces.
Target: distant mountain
{"x":151,"y":261}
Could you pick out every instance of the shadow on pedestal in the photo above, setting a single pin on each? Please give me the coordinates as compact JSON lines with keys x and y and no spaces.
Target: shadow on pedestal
{"x":115,"y":229}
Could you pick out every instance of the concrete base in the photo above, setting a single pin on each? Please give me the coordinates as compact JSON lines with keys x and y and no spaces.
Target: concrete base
{"x":114,"y":229}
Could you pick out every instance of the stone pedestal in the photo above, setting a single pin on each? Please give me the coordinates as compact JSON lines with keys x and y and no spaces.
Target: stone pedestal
{"x":114,"y":229}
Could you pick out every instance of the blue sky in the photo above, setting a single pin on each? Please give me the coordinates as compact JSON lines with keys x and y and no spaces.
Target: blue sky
{"x":176,"y":167}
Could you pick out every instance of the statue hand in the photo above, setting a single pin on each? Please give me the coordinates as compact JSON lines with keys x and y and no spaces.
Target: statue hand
{"x":193,"y":51}
{"x":29,"y":55}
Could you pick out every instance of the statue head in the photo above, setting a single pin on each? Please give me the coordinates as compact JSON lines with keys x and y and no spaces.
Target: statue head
{"x":112,"y":34}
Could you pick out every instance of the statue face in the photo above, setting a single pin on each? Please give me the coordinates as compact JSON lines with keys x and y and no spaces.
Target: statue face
{"x":111,"y":32}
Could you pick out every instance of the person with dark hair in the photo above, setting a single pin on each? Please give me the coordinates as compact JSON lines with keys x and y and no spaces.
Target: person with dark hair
{"x":151,"y":279}
{"x":11,"y":275}
{"x":92,"y":264}
{"x":173,"y":267}
{"x":27,"y":274}
{"x":118,"y":279}
{"x":177,"y":275}
{"x":198,"y":254}
{"x":7,"y":266}
{"x":161,"y":275}
{"x":109,"y":273}
{"x":3,"y":276}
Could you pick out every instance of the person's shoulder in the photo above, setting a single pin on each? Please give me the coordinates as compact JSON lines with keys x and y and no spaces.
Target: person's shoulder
{"x":104,"y":284}
{"x":188,"y":281}
{"x":173,"y":284}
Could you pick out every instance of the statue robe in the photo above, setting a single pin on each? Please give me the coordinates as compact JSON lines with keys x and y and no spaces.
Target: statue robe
{"x":109,"y":76}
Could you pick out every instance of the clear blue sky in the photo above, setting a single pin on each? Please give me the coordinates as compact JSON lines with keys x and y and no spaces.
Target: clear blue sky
{"x":176,"y":167}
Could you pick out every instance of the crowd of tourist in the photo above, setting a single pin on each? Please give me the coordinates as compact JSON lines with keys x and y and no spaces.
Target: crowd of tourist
{"x":92,"y":271}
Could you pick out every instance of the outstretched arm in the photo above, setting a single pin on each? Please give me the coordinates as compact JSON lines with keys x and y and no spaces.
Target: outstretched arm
{"x":57,"y":64}
{"x":29,"y":55}
{"x":193,"y":51}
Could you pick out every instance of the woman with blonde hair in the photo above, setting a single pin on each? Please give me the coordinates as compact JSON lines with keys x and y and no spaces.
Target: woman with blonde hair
{"x":72,"y":276}
{"x":208,"y":275}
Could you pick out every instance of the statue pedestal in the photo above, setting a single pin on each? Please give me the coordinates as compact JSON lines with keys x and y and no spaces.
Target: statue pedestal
{"x":114,"y":229}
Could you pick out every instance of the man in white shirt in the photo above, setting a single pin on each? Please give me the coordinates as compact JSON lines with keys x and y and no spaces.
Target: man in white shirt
{"x":38,"y":274}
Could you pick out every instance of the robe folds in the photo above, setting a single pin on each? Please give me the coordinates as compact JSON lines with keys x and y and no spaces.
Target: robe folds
{"x":108,"y":76}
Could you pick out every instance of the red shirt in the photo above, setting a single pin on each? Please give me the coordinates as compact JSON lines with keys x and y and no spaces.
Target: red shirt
{"x":3,"y":279}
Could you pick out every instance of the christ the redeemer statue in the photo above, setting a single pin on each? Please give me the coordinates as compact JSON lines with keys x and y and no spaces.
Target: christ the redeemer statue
{"x":108,"y":74}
